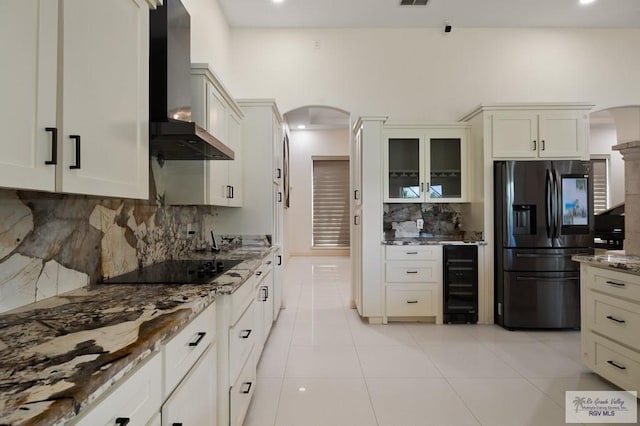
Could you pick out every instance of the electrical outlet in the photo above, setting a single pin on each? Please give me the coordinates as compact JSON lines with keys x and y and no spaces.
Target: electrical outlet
{"x":420,"y":223}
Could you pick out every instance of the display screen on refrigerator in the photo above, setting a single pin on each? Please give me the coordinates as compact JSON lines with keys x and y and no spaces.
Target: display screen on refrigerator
{"x":575,"y":201}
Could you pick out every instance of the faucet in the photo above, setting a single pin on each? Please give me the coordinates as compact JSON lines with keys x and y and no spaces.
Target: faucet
{"x":214,"y":246}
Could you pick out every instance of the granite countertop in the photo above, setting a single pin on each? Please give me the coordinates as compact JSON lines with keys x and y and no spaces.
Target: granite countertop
{"x":615,"y":260}
{"x":58,"y":355}
{"x":422,"y":241}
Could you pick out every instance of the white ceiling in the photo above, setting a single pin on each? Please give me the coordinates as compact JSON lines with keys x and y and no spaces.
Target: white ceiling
{"x":460,"y":13}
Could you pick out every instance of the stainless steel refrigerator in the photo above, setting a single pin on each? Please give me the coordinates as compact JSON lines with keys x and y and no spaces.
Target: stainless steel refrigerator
{"x":543,"y":216}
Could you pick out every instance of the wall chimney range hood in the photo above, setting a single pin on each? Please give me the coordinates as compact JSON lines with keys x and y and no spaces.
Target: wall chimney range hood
{"x":172,"y":135}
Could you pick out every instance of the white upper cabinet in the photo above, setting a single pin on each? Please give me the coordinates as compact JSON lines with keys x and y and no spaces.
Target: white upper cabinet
{"x":105,"y":98}
{"x":545,"y":132}
{"x":212,"y":182}
{"x":426,"y":163}
{"x":28,"y":40}
{"x":84,"y":86}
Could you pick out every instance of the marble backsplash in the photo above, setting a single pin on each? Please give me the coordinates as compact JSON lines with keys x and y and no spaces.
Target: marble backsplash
{"x":53,"y":243}
{"x":440,"y":221}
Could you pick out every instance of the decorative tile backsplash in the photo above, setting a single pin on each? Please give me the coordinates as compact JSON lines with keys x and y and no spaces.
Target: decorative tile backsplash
{"x":440,"y":221}
{"x":53,"y":243}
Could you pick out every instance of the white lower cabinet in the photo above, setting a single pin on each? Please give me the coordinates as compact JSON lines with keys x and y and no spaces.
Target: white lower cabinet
{"x":241,"y":392}
{"x":413,"y":282}
{"x":194,"y":400}
{"x":610,"y":320}
{"x":134,"y":400}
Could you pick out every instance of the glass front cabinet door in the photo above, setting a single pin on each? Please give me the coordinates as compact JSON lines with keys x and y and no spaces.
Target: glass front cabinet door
{"x":427,"y":164}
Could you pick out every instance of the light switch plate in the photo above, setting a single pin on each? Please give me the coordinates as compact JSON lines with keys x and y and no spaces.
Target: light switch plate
{"x":420,"y":223}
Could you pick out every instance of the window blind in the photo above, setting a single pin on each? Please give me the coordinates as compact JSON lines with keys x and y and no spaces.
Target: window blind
{"x":600,"y":184}
{"x":331,"y":203}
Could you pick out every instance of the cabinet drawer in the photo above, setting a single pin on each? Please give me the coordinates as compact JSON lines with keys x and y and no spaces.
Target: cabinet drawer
{"x":411,"y":301}
{"x":414,"y":252}
{"x":243,"y":296}
{"x":184,"y":349}
{"x":616,"y":283}
{"x":241,"y":392}
{"x":136,"y":397}
{"x":242,"y":337}
{"x":616,"y":363}
{"x":413,"y":272}
{"x":617,"y":319}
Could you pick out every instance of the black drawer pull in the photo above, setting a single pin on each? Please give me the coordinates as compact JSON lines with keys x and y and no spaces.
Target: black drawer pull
{"x":279,"y":196}
{"x":122,"y":421}
{"x":244,"y":334}
{"x":355,"y":194}
{"x":612,"y":318}
{"x":54,"y":145}
{"x":279,"y":260}
{"x":412,"y":301}
{"x":412,"y":272}
{"x":246,"y":387}
{"x":613,"y":283}
{"x":412,"y":252}
{"x":196,"y":342}
{"x":176,"y":424}
{"x":617,"y":365}
{"x":268,"y":262}
{"x":258,"y":273}
{"x":279,"y":173}
{"x":77,"y":139}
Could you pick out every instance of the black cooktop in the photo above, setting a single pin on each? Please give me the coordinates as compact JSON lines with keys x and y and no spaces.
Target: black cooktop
{"x":176,"y":272}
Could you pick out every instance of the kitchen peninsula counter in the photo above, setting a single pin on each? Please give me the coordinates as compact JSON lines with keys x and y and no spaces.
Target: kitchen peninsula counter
{"x":616,"y":260}
{"x":59,"y":355}
{"x":429,"y":241}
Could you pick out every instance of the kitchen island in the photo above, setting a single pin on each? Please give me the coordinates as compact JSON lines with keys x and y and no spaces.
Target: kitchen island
{"x":610,"y":317}
{"x":60,"y":355}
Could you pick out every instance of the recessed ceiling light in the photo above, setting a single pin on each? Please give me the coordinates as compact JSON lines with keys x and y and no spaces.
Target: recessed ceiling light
{"x":302,"y":389}
{"x":277,"y":1}
{"x":301,"y":126}
{"x":586,"y":1}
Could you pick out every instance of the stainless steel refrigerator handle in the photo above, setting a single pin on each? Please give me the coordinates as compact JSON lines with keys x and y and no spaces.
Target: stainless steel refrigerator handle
{"x":557,"y":219}
{"x":520,"y":278}
{"x":547,"y":207}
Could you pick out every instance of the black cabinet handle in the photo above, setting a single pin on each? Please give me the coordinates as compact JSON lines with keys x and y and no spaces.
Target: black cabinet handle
{"x":122,"y":421}
{"x":54,"y":145}
{"x":355,"y":220}
{"x":612,"y":318}
{"x":265,"y":292}
{"x":279,"y":196}
{"x":617,"y":365}
{"x":279,"y":260}
{"x":258,"y":273}
{"x":542,"y":144}
{"x":246,"y":387}
{"x":616,"y":284}
{"x":176,"y":424}
{"x":412,"y":252}
{"x":77,"y":139}
{"x":232,"y":193}
{"x":412,"y":272}
{"x":535,"y":146}
{"x":268,"y":262}
{"x":279,"y":173}
{"x":356,"y":194}
{"x":198,"y":339}
{"x":412,"y":301}
{"x":244,"y":334}
{"x":229,"y":191}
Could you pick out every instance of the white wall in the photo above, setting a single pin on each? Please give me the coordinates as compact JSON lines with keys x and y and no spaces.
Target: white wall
{"x":603,"y":137}
{"x":303,"y":144}
{"x":421,"y":74}
{"x":209,"y":36}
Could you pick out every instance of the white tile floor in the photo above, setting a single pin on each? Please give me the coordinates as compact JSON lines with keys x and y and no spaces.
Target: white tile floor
{"x":324,"y":366}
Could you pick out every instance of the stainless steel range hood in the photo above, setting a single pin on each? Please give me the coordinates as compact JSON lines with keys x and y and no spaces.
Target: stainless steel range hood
{"x":172,"y":135}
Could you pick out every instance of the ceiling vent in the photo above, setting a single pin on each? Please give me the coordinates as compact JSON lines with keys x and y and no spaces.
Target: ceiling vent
{"x":413,"y":2}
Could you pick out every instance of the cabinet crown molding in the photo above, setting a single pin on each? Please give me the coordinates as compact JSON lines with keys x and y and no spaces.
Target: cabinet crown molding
{"x":521,"y":106}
